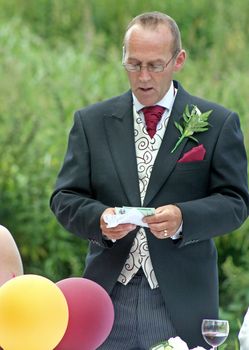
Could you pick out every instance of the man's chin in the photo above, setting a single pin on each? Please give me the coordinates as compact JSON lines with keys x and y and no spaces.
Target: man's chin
{"x":147,"y":97}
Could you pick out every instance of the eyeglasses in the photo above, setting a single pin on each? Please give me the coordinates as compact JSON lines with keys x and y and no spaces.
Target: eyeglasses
{"x":153,"y":68}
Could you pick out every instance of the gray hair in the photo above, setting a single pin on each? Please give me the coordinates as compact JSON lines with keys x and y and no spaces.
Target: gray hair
{"x":152,"y":20}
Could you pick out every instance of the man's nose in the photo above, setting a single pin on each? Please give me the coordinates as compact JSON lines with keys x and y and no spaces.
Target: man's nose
{"x":144,"y":74}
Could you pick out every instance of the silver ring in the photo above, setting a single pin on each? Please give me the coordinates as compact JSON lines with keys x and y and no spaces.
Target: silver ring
{"x":165,"y":233}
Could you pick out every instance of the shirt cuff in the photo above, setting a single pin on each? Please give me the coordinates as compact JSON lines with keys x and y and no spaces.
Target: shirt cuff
{"x":178,"y":233}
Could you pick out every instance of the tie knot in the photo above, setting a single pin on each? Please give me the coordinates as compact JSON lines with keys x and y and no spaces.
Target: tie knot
{"x":152,"y":116}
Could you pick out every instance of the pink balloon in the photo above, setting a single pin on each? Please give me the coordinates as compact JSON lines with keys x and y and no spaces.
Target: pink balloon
{"x":91,"y":314}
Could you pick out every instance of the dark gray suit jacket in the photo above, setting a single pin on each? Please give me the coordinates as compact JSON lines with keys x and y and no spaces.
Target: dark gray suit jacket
{"x":100,"y":171}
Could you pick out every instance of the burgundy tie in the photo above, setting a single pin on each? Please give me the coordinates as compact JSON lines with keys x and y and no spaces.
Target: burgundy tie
{"x":152,"y":116}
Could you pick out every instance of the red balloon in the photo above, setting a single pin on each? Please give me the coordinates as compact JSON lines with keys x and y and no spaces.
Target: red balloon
{"x":91,"y":314}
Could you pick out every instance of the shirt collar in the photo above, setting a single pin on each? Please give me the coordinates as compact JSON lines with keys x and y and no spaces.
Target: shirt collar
{"x":166,"y":102}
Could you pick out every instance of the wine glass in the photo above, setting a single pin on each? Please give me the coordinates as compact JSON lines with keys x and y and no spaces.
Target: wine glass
{"x":215,"y":332}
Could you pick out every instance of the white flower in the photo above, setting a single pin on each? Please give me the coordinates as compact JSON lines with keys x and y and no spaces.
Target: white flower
{"x":178,"y":344}
{"x":197,"y":112}
{"x":175,"y":344}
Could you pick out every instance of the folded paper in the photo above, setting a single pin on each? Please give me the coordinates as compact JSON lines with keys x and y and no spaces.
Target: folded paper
{"x":129,"y":216}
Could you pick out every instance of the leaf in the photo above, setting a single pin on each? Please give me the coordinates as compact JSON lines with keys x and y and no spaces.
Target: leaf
{"x":194,"y":139}
{"x":179,"y":127}
{"x":162,"y":346}
{"x":193,"y":122}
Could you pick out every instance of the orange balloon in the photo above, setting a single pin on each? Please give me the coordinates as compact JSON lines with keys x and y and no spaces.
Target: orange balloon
{"x":33,"y":314}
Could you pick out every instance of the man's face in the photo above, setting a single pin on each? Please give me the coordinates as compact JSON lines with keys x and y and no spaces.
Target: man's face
{"x":146,"y":46}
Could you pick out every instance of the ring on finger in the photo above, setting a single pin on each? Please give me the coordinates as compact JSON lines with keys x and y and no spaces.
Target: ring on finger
{"x":165,"y":233}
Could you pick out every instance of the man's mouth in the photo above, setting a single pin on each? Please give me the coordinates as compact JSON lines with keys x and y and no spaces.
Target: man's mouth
{"x":145,"y":89}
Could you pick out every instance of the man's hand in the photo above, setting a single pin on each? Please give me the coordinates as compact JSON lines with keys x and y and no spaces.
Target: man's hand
{"x":117,"y":232}
{"x":165,"y":222}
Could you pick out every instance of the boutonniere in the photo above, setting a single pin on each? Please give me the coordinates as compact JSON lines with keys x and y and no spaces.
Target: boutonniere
{"x":193,"y":122}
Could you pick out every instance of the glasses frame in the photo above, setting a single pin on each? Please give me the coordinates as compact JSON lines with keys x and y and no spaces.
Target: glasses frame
{"x":137,"y":68}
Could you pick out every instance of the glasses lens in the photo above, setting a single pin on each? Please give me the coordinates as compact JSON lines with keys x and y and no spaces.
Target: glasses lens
{"x":156,"y":69}
{"x":131,"y":67}
{"x":137,"y":68}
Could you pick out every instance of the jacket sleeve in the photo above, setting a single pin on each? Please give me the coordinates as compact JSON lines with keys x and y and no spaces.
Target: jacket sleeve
{"x":73,"y":201}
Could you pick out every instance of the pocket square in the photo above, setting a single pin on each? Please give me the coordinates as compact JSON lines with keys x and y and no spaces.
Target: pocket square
{"x":194,"y":155}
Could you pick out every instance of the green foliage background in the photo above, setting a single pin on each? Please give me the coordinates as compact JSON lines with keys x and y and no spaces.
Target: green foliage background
{"x":57,"y":56}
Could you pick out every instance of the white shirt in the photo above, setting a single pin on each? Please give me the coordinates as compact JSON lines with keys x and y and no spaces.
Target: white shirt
{"x":167,"y":102}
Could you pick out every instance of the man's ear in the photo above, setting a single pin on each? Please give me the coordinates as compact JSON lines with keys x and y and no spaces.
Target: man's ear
{"x":180,"y":60}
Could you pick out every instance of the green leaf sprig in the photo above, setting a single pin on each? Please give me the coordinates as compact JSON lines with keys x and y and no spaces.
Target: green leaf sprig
{"x":193,"y":122}
{"x":162,"y":346}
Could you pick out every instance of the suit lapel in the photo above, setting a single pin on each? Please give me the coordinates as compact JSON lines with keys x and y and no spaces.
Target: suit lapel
{"x":166,"y":161}
{"x":119,"y":129}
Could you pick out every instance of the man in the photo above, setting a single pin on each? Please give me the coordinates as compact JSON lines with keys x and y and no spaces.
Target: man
{"x":162,"y":278}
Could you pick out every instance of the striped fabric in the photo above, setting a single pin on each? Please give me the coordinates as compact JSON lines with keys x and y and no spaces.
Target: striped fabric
{"x":141,"y":318}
